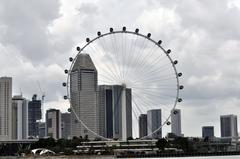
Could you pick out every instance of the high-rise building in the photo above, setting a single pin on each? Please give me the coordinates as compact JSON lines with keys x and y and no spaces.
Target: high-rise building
{"x":228,"y":125}
{"x":19,"y":118}
{"x":34,"y":115}
{"x":208,"y":131}
{"x":5,"y":108}
{"x":84,"y":95}
{"x":53,"y":124}
{"x":41,"y":129}
{"x":66,"y":125}
{"x":176,"y":122}
{"x":115,"y":111}
{"x":154,"y":121}
{"x":142,"y":123}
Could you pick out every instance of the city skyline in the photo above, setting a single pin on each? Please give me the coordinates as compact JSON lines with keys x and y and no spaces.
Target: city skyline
{"x":20,"y":111}
{"x":206,"y":47}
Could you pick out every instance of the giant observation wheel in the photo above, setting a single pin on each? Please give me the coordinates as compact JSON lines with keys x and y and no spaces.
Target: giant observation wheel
{"x":140,"y":63}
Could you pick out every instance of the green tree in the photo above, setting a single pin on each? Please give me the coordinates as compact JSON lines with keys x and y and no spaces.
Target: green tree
{"x":161,"y":144}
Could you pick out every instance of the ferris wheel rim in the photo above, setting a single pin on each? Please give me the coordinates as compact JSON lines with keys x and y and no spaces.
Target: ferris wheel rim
{"x":90,"y":41}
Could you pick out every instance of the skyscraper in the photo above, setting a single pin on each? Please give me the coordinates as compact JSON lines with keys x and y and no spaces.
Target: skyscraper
{"x":5,"y":108}
{"x":228,"y":125}
{"x":176,"y":122}
{"x":53,"y":124}
{"x":115,"y":107}
{"x":154,"y":121}
{"x":83,"y":91}
{"x":19,"y":118}
{"x":208,"y":131}
{"x":41,"y":129}
{"x":66,"y":125}
{"x":142,"y":123}
{"x":34,"y":114}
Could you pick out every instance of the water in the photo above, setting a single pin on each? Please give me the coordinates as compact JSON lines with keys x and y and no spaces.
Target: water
{"x":210,"y":157}
{"x":109,"y":157}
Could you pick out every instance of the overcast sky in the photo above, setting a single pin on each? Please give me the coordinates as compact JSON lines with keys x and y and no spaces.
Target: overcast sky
{"x":37,"y":37}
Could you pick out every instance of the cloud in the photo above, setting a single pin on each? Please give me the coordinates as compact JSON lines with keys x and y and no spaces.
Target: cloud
{"x":37,"y":37}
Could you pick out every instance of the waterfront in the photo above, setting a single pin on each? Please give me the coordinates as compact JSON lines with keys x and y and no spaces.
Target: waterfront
{"x":111,"y":157}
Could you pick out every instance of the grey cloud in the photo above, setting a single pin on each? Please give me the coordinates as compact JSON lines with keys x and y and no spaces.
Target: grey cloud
{"x":203,"y":36}
{"x":26,"y":27}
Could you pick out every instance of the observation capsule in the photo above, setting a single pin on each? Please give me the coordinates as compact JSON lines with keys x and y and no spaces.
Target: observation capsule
{"x":78,"y":48}
{"x":136,"y":30}
{"x":179,"y":99}
{"x":149,"y":35}
{"x":168,"y":51}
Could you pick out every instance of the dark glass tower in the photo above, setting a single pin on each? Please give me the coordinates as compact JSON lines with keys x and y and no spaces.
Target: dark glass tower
{"x":34,"y":114}
{"x":142,"y":123}
{"x":114,"y":121}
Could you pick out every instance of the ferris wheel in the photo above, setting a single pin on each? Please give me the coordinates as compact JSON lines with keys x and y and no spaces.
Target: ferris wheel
{"x":141,"y":64}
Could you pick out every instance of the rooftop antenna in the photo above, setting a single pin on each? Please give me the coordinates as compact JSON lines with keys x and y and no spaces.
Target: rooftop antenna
{"x":21,"y":91}
{"x":42,"y":99}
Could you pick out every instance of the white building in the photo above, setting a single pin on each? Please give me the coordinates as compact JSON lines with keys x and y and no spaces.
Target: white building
{"x":19,"y":118}
{"x":176,"y":122}
{"x":53,"y":124}
{"x":154,"y":121}
{"x":5,"y":108}
{"x":228,"y":124}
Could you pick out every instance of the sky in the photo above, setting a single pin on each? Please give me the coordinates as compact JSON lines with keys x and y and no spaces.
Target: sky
{"x":38,"y":37}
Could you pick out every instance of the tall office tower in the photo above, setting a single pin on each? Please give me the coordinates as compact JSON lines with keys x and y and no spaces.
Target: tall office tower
{"x":229,"y":126}
{"x":115,"y":111}
{"x":34,"y":115}
{"x":53,"y":124}
{"x":142,"y":123}
{"x":208,"y":131}
{"x":41,"y":129}
{"x":66,"y":125}
{"x":19,"y":118}
{"x":154,"y":120}
{"x":5,"y":108}
{"x":176,"y":122}
{"x":84,"y":96}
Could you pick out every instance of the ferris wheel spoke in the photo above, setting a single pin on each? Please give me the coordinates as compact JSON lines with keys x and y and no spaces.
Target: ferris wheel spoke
{"x":116,"y":62}
{"x":129,"y":60}
{"x":105,"y":48}
{"x":106,"y":78}
{"x":109,"y":67}
{"x":118,"y":55}
{"x":153,"y":88}
{"x":163,"y":97}
{"x":152,"y":72}
{"x":147,"y":56}
{"x":146,"y":100}
{"x":122,"y":55}
{"x":143,"y":45}
{"x":111,"y":73}
{"x":151,"y":79}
